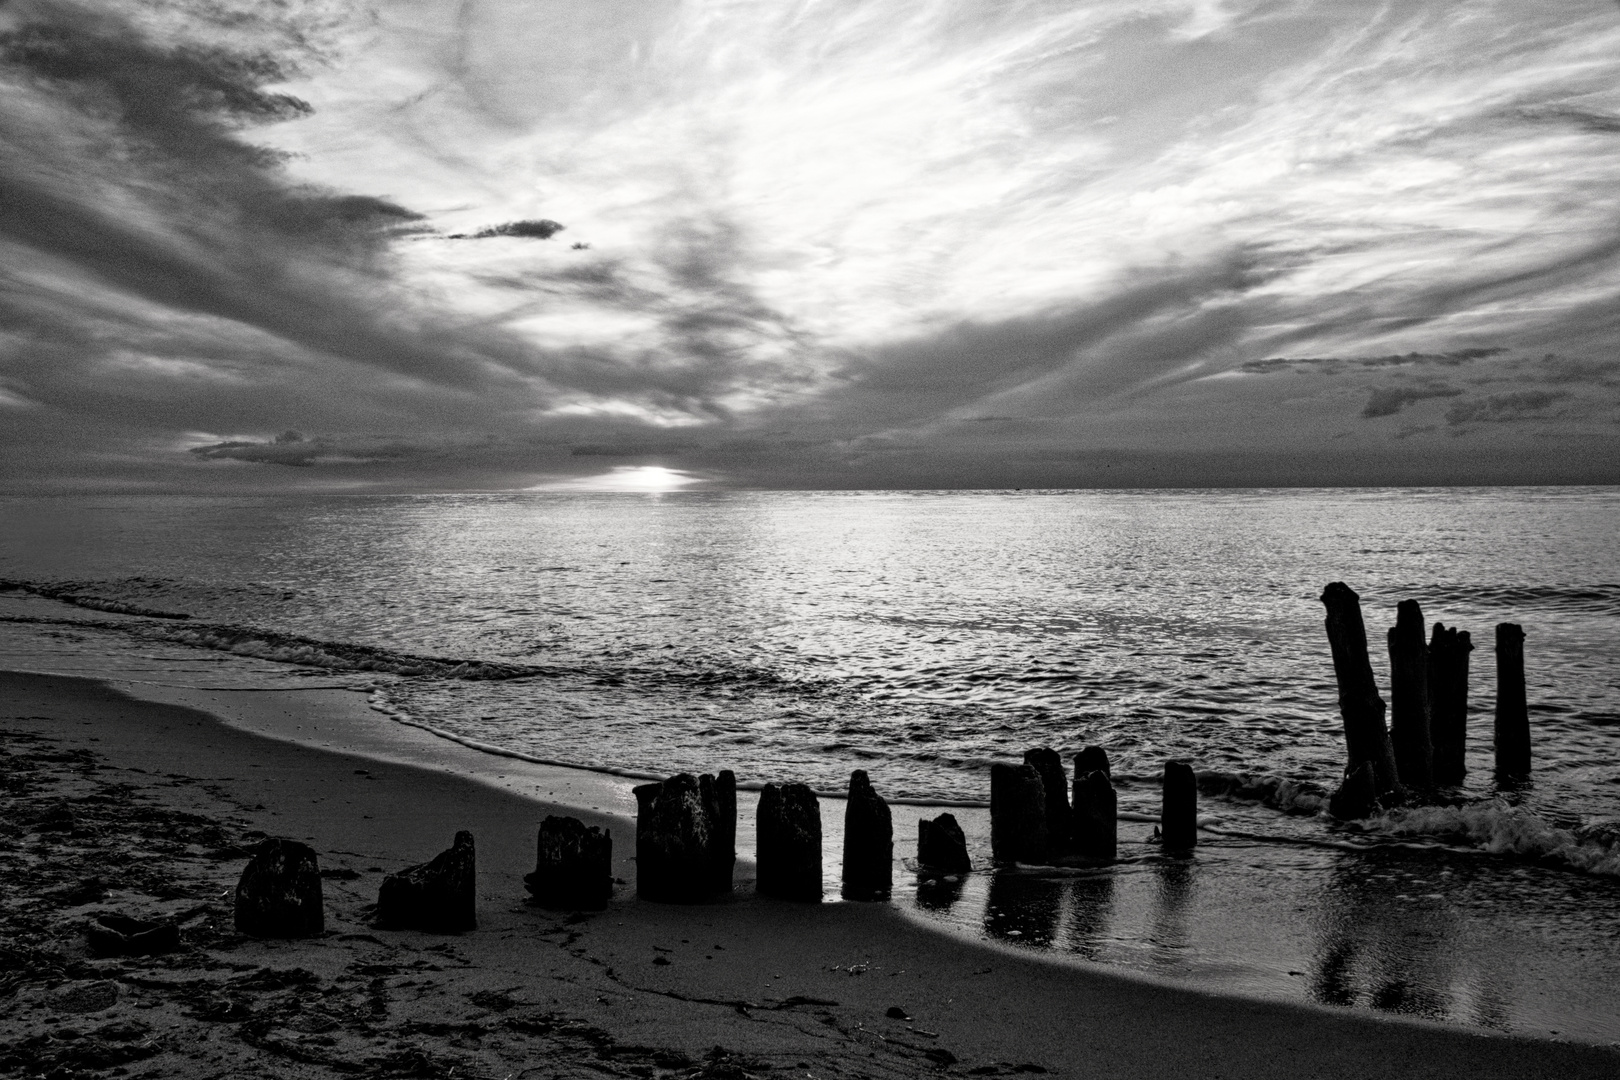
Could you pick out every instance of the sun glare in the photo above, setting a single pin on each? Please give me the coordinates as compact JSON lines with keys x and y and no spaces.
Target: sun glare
{"x":626,"y":478}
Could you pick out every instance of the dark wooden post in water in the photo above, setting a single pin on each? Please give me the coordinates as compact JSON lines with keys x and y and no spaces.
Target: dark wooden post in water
{"x":789,"y":852}
{"x":1017,"y":814}
{"x":1096,"y":817}
{"x":1512,"y":710}
{"x":1409,"y":708}
{"x":868,"y":842}
{"x":674,"y":841}
{"x":1091,"y":759}
{"x":1366,"y":740}
{"x":942,"y":846}
{"x":1448,"y":703}
{"x":1178,"y":820}
{"x":1059,"y":827}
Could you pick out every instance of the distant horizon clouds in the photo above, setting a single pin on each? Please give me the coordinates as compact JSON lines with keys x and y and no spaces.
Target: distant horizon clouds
{"x":828,"y":243}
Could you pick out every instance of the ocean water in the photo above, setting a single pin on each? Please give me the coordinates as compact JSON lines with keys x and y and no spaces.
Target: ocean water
{"x":922,"y":636}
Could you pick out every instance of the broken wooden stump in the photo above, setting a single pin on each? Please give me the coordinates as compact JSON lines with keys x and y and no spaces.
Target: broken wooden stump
{"x":1059,"y":823}
{"x":1091,"y":759}
{"x":438,"y":896}
{"x":868,"y":842}
{"x":1448,"y":703}
{"x":279,"y":893}
{"x":942,"y":846}
{"x":1017,"y":814}
{"x":1096,"y":817}
{"x":573,"y":866}
{"x":722,"y":805}
{"x":676,"y":837}
{"x":1409,"y":708}
{"x":1362,"y":710}
{"x":1178,"y":818}
{"x":789,"y":845}
{"x":1512,"y":709}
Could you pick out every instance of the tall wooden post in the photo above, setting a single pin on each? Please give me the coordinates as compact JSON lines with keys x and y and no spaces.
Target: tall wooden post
{"x":1448,"y":703}
{"x":1409,"y":708}
{"x":1512,"y":711}
{"x":1365,"y":738}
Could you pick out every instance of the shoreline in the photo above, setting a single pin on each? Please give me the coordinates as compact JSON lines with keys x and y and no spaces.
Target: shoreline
{"x":782,"y":991}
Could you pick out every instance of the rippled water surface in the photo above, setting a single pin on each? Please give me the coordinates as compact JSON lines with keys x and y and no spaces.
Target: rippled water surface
{"x":922,"y":635}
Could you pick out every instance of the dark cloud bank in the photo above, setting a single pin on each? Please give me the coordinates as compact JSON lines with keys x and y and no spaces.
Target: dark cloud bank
{"x":170,"y":299}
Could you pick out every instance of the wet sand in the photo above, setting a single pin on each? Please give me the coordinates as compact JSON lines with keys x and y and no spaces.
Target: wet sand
{"x":118,"y":804}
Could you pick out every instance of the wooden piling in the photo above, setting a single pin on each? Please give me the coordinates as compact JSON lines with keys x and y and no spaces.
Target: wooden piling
{"x":1512,"y":710}
{"x":1366,"y":739}
{"x":789,"y":845}
{"x":1178,"y":819}
{"x":1017,"y":814}
{"x":1096,"y":817}
{"x":868,"y":842}
{"x":942,"y":846}
{"x":1448,"y":703}
{"x":1059,"y":826}
{"x":1409,"y":707}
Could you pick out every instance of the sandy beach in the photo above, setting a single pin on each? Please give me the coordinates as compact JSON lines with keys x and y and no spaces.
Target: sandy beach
{"x":114,"y":804}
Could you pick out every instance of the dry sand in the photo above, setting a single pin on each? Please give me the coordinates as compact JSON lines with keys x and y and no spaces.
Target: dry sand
{"x":117,"y":804}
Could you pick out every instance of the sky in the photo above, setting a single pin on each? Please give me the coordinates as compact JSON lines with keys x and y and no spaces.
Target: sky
{"x":629,"y":245}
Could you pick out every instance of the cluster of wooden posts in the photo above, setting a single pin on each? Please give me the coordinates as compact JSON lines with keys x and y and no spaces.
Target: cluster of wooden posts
{"x":1423,"y":749}
{"x":686,"y":826}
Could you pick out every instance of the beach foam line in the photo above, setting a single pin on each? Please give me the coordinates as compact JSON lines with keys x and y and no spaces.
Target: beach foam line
{"x":65,"y":594}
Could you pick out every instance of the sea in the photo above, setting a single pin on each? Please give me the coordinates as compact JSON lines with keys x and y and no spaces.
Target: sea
{"x":924,"y":635}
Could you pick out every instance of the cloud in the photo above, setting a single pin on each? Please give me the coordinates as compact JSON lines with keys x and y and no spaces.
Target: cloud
{"x":1504,"y":408}
{"x":1389,"y":400}
{"x":541,"y":229}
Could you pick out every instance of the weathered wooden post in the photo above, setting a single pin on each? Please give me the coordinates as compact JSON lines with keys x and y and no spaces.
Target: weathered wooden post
{"x":1059,"y":827}
{"x":1365,"y":738}
{"x":1091,"y":759}
{"x":720,"y":798}
{"x":1096,"y":817}
{"x":439,"y":896}
{"x":1017,"y":814}
{"x":1448,"y":703}
{"x":279,"y":893}
{"x":1512,"y":710}
{"x":868,"y":842}
{"x":789,"y":853}
{"x":942,"y":846}
{"x":573,"y":866}
{"x":1178,"y":820}
{"x":675,"y":835}
{"x":1409,"y":708}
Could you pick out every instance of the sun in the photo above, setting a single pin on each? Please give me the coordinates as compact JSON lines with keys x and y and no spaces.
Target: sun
{"x":626,"y":478}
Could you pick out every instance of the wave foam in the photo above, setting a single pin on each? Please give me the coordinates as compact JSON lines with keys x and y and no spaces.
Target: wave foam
{"x":1496,"y":827}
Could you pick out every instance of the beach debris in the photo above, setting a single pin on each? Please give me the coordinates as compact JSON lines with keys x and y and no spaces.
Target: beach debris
{"x":1096,"y":820}
{"x":677,"y":834}
{"x":1512,"y":711}
{"x":573,"y":866}
{"x":942,"y":846}
{"x":1448,"y":703}
{"x":789,"y":852}
{"x":1409,"y":707}
{"x":895,"y":1012}
{"x":1360,"y":706}
{"x":1178,"y":821}
{"x":1059,"y":820}
{"x":119,"y":935}
{"x":720,"y":799}
{"x":279,"y":894}
{"x":438,"y":896}
{"x":1017,"y":814}
{"x":84,"y":997}
{"x":868,"y":842}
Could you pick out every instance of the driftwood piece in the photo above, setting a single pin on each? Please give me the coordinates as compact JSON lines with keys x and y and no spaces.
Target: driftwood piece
{"x":1409,"y":708}
{"x":1360,"y":706}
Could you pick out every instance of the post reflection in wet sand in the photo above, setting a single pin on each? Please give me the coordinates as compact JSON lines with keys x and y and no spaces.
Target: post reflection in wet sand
{"x":1167,"y":930}
{"x":1091,"y":912}
{"x":1386,"y":940}
{"x":1024,"y":907}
